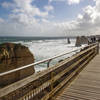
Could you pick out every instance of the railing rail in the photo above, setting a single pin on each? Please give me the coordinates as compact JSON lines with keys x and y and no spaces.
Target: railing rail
{"x":43,"y":85}
{"x":42,"y":61}
{"x":37,"y":63}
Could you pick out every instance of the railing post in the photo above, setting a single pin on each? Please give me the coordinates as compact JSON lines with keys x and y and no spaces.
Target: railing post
{"x":48,"y":63}
{"x":52,"y":75}
{"x":97,"y":47}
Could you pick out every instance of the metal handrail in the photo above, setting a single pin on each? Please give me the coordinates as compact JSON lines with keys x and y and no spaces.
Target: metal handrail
{"x":42,"y":61}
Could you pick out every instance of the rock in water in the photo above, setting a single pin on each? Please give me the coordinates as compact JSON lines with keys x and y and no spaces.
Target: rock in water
{"x":84,"y":40}
{"x":81,"y":40}
{"x":68,"y":40}
{"x":78,"y":42}
{"x":14,"y":56}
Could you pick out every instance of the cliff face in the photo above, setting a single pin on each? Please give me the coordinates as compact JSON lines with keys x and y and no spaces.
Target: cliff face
{"x":13,"y":56}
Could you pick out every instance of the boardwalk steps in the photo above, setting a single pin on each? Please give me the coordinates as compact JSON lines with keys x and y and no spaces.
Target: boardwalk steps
{"x":45,"y":84}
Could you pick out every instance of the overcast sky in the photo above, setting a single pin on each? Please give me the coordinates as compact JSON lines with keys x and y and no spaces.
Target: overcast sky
{"x":49,"y":17}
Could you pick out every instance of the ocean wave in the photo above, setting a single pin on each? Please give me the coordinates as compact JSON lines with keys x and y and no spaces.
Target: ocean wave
{"x":43,"y":49}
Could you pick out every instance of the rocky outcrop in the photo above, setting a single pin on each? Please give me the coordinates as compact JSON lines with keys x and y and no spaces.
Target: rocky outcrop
{"x":14,"y":56}
{"x":84,"y":40}
{"x":78,"y":42}
{"x":81,"y":40}
{"x":68,"y":40}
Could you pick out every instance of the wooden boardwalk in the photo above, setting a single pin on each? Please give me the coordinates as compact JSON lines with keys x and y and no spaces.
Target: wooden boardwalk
{"x":60,"y":82}
{"x":87,"y":84}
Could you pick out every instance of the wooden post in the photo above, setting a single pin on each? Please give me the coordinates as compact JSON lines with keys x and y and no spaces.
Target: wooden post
{"x":98,"y":48}
{"x":52,"y":75}
{"x":48,"y":63}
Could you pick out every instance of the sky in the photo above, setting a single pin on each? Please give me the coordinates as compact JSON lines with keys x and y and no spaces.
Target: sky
{"x":49,"y":17}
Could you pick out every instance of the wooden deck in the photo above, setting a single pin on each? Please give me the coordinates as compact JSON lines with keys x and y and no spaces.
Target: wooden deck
{"x":87,"y":84}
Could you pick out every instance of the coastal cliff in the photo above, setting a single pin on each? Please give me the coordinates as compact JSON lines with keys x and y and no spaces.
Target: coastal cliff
{"x":14,"y":56}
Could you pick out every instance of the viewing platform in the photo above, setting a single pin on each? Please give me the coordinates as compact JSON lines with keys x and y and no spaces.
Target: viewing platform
{"x":86,"y":86}
{"x":73,"y":78}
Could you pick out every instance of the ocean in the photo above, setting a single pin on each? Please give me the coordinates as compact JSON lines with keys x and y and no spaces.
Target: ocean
{"x":44,"y":47}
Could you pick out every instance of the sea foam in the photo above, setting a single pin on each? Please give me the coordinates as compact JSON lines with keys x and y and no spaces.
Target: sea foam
{"x":43,"y":49}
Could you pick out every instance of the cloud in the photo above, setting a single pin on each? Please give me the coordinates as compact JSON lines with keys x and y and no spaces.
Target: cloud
{"x":70,"y":2}
{"x":92,"y":14}
{"x":25,"y":6}
{"x":49,"y":8}
{"x":24,"y":12}
{"x":7,"y":4}
{"x":90,"y":20}
{"x":45,"y":21}
{"x":56,"y":1}
{"x":1,"y":20}
{"x":45,"y":28}
{"x":85,"y":24}
{"x":23,"y":21}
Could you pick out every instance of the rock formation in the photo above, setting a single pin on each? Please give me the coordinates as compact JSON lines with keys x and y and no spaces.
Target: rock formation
{"x":84,"y":40}
{"x":78,"y":42}
{"x":13,"y":56}
{"x":68,"y":40}
{"x":81,"y":40}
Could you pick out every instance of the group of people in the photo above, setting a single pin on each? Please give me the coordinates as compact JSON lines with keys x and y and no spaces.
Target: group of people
{"x":92,"y":40}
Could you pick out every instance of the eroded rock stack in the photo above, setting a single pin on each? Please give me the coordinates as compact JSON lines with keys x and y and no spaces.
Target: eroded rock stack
{"x":68,"y":40}
{"x":81,"y":40}
{"x":78,"y":42}
{"x":84,"y":40}
{"x":14,"y":56}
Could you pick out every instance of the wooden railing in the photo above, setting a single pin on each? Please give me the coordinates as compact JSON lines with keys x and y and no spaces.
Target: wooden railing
{"x":45,"y":84}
